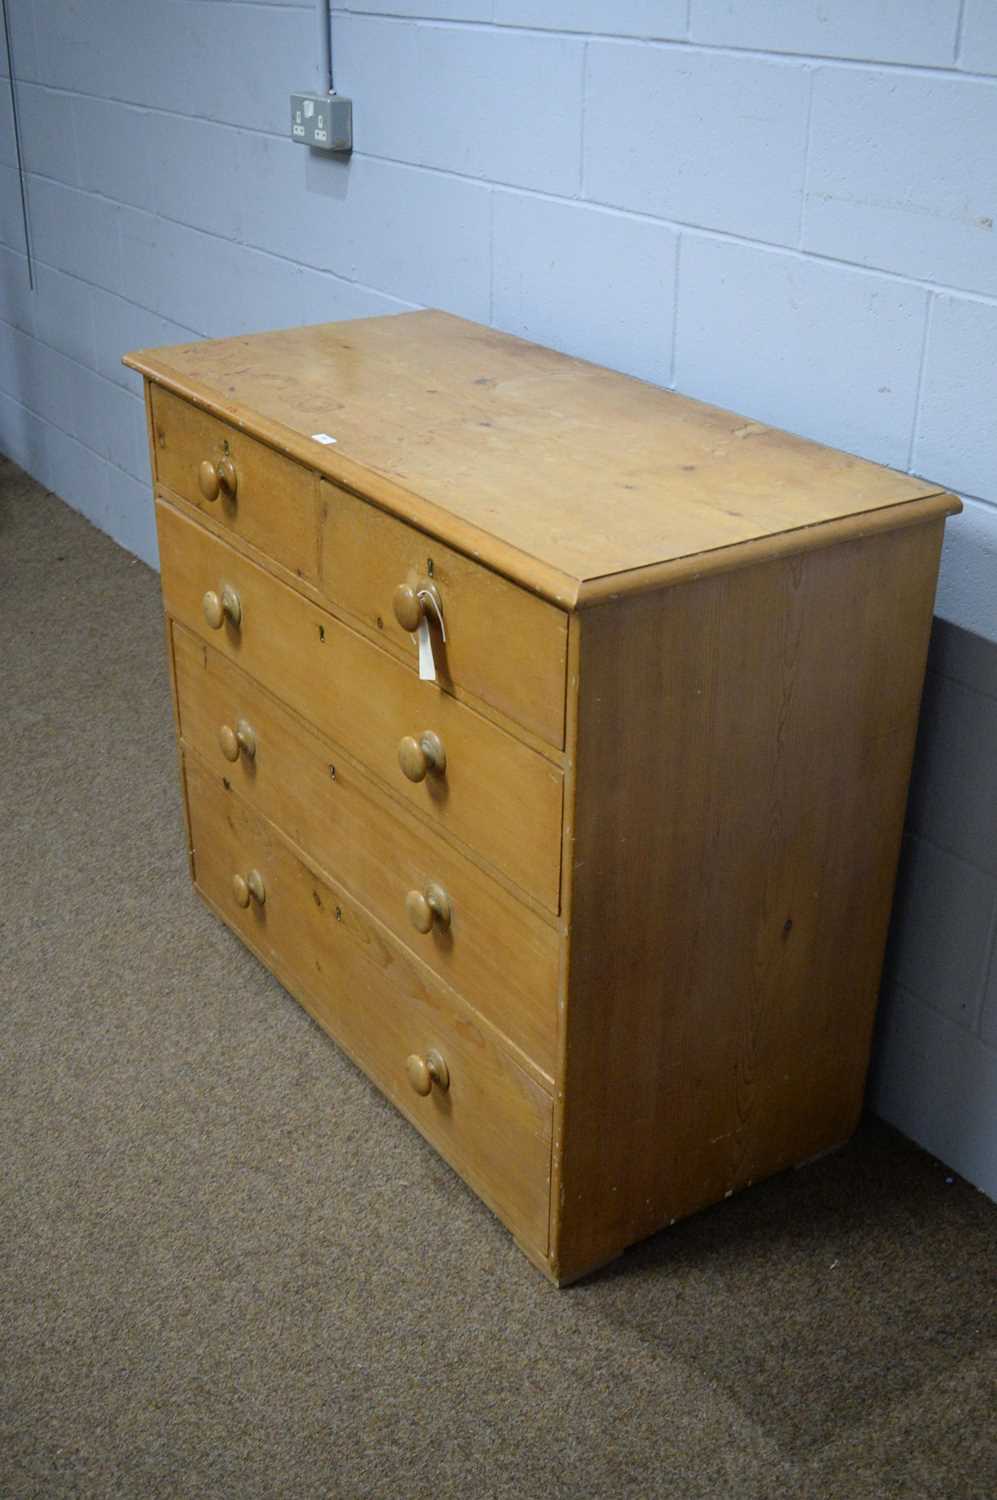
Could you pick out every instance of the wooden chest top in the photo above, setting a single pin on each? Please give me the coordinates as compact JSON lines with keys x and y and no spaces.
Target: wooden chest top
{"x":570,"y":479}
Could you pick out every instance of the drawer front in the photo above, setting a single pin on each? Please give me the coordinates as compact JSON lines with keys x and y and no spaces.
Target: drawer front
{"x":493,"y":1122}
{"x":496,"y":795}
{"x":503,"y":644}
{"x":263,"y":497}
{"x":492,"y":949}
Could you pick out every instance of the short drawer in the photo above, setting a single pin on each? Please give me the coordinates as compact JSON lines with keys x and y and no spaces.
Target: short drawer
{"x":504,"y":645}
{"x":492,"y":1121}
{"x":481,"y":940}
{"x":263,"y":497}
{"x":493,"y":793}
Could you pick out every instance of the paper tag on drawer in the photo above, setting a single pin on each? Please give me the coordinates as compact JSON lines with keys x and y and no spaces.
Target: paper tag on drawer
{"x":424,"y":636}
{"x":427,"y":666}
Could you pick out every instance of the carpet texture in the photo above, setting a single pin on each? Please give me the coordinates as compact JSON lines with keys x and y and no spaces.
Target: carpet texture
{"x":229,"y":1269}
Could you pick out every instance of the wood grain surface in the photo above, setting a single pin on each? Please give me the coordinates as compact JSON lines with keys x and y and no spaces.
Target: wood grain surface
{"x":275,"y":505}
{"x":743,"y":751}
{"x":381,"y":1006}
{"x":501,"y":799}
{"x":502,"y":643}
{"x":498,"y":953}
{"x":602,"y":909}
{"x":549,"y":469}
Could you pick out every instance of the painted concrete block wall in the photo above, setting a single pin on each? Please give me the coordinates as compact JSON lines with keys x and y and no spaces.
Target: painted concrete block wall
{"x":787,"y":209}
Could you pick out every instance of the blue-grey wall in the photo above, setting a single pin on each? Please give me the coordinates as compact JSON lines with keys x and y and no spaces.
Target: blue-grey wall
{"x":787,"y":209}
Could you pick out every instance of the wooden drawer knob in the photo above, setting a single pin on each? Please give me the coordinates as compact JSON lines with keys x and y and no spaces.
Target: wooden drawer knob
{"x":417,"y":757}
{"x":423,"y":1072}
{"x":249,"y":887}
{"x":242,"y":737}
{"x":428,"y":906}
{"x":220,"y":607}
{"x":212,"y":478}
{"x":409,"y":603}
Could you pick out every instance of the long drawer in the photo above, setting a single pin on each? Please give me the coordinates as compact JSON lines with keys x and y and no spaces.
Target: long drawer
{"x":502,"y":644}
{"x":495,"y":794}
{"x":259,"y":495}
{"x":489,"y":1118}
{"x":481,"y":940}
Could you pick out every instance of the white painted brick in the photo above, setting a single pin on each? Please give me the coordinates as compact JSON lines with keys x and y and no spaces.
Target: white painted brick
{"x":235,"y":289}
{"x":63,"y":316}
{"x":912,"y":31}
{"x":125,"y":432}
{"x":978,"y":53}
{"x":198,"y":176}
{"x":971,"y":661}
{"x":131,"y":515}
{"x":111,"y":421}
{"x":8,"y":148}
{"x":123,"y":54}
{"x":21,"y":20}
{"x":419,"y":236}
{"x":297,"y":207}
{"x":988,"y":1019}
{"x":503,"y":105}
{"x":592,"y":282}
{"x":956,"y":440}
{"x":11,"y":220}
{"x":121,"y":326}
{"x":17,"y":304}
{"x":902,"y":175}
{"x":966,"y":593}
{"x":79,"y":477}
{"x":224,"y":62}
{"x":15,"y":347}
{"x":114,"y":147}
{"x":330,"y":299}
{"x":48,"y":135}
{"x":24,"y":438}
{"x":657,"y":19}
{"x":821,"y":350}
{"x":38,"y":377}
{"x":91,"y":418}
{"x":697,"y":137}
{"x":437,"y":10}
{"x":953,"y":798}
{"x":75,"y":231}
{"x":942,"y":917}
{"x":937,"y":1082}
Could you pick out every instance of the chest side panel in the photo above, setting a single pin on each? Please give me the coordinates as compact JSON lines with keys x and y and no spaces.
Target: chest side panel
{"x":743,"y":753}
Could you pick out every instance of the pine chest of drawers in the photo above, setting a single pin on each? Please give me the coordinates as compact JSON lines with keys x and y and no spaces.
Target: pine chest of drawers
{"x":599,"y":897}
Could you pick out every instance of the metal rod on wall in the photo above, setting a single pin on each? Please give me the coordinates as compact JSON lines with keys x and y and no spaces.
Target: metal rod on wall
{"x":325,"y":46}
{"x":17,"y":144}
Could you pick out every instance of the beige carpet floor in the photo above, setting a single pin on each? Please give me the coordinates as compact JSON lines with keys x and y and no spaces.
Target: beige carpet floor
{"x":228,"y":1269}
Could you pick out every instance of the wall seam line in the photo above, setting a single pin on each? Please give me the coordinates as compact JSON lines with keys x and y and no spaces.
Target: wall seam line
{"x":922,"y":362}
{"x":990,"y":966}
{"x":773,"y":247}
{"x":894,"y":983}
{"x":959,"y":28}
{"x":805,"y":175}
{"x":685,"y":44}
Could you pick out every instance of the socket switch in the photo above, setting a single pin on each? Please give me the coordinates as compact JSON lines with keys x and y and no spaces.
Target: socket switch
{"x":322,"y":120}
